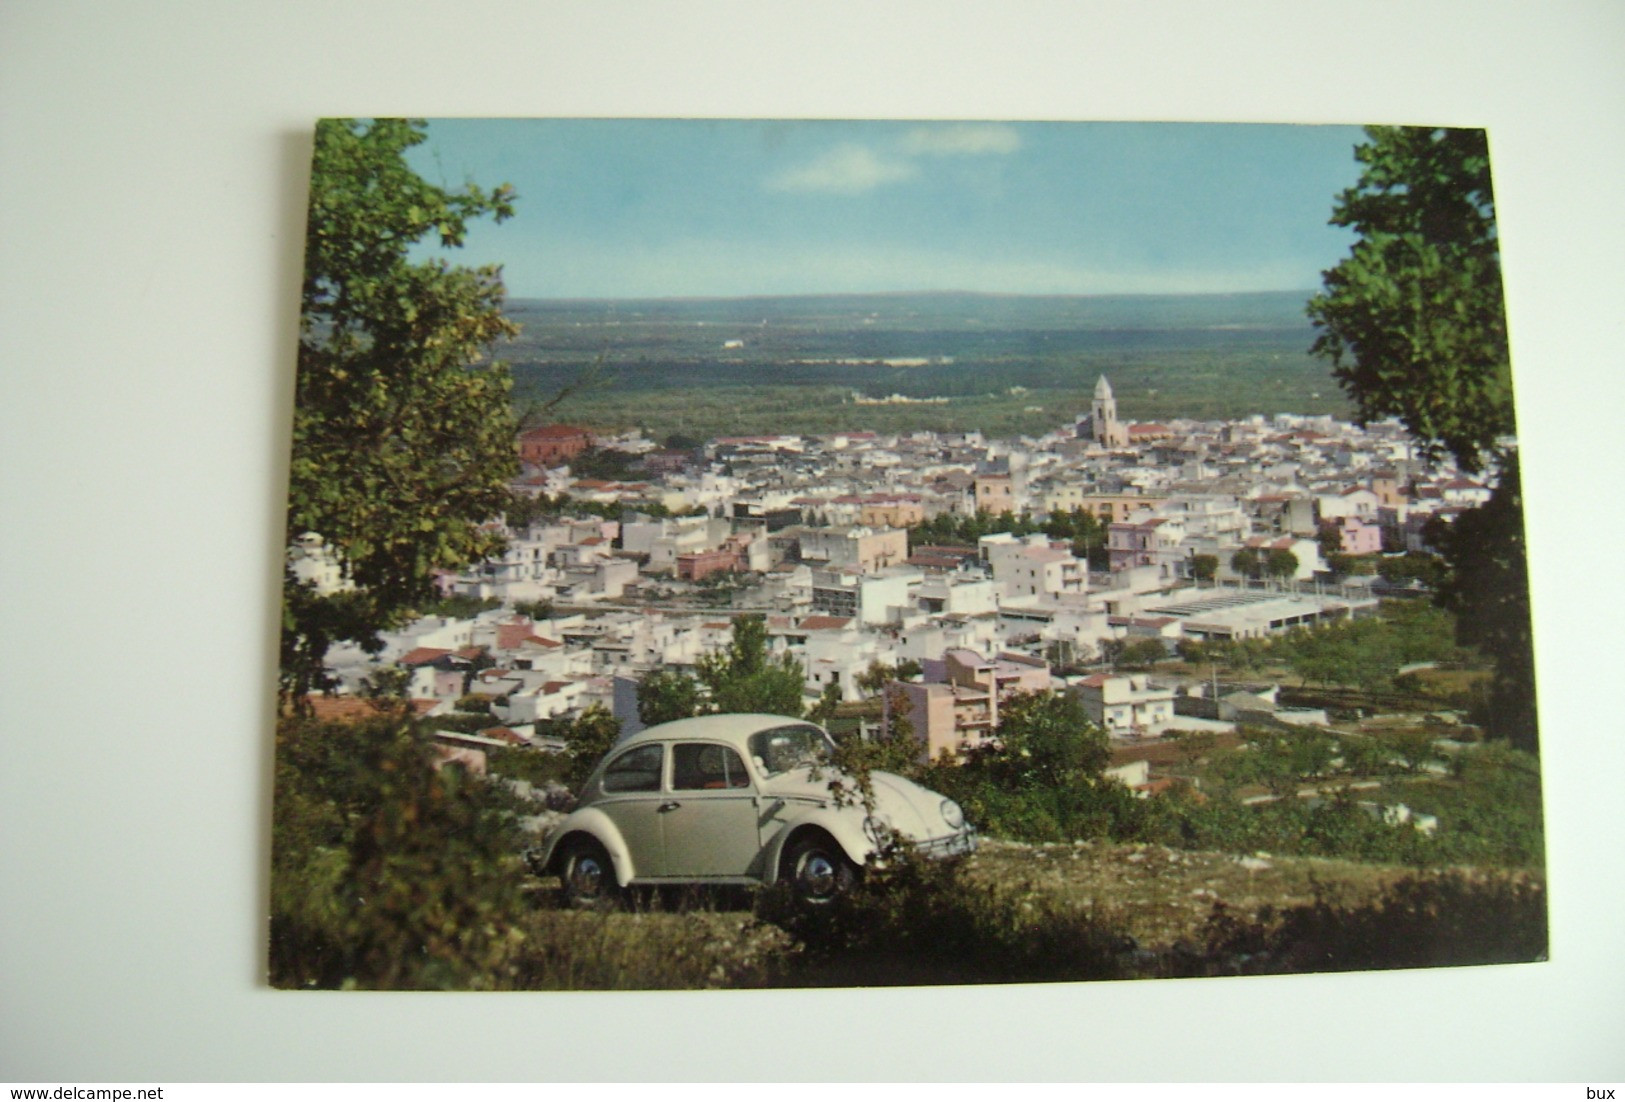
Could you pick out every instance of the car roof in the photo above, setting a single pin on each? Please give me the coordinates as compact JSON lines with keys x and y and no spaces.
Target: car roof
{"x":734,"y":728}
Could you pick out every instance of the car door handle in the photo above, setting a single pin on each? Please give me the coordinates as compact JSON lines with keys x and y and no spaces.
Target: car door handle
{"x":669,"y":805}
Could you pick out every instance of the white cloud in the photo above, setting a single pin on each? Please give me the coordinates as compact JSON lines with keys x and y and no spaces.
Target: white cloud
{"x":854,"y":169}
{"x":967,"y":139}
{"x":697,"y":266}
{"x":844,"y":170}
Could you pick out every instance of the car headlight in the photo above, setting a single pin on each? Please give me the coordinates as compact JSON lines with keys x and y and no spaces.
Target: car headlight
{"x":952,"y":814}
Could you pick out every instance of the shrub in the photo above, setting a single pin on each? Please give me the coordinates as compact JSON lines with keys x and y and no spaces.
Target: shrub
{"x":1421,"y":922}
{"x":385,"y":872}
{"x":912,"y":920}
{"x":591,"y":951}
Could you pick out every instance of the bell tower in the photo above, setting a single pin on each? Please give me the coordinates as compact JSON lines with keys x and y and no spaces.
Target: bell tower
{"x":1103,"y":418}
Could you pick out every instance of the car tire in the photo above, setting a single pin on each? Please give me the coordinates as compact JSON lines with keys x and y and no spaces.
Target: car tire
{"x":816,"y":870}
{"x":587,"y":876}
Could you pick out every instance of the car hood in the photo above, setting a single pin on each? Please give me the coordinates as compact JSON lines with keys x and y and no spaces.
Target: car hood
{"x":911,"y":810}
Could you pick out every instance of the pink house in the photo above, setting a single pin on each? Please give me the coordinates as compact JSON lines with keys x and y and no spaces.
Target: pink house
{"x":957,"y":705}
{"x":1360,"y":537}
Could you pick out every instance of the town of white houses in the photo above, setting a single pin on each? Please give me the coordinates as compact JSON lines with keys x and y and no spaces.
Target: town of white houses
{"x":1202,"y":531}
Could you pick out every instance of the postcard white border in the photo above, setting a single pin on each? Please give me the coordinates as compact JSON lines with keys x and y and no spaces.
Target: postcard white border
{"x":151,"y":201}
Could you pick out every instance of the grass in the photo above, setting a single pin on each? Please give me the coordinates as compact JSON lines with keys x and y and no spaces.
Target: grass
{"x":1020,"y":913}
{"x":647,"y":950}
{"x":1161,"y":896}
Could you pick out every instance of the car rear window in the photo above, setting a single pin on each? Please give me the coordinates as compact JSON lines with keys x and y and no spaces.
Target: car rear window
{"x":635,"y":771}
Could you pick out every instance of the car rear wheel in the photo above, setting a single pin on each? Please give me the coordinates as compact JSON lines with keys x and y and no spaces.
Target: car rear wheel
{"x":588,"y":876}
{"x":816,"y":870}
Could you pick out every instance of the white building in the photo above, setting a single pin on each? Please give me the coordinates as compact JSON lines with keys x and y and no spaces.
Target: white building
{"x":1038,"y":571}
{"x":1125,"y":705}
{"x":868,"y":598}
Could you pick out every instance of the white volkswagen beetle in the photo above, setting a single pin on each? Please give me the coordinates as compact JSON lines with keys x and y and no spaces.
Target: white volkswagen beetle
{"x":734,"y":800}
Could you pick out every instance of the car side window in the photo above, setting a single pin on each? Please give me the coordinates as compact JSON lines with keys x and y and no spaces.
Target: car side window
{"x":705,"y":765}
{"x":635,"y":771}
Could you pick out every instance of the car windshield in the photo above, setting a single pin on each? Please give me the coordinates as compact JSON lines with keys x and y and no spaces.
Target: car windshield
{"x":780,"y":749}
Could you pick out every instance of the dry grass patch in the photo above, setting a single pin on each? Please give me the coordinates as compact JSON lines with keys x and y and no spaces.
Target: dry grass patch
{"x":1161,"y":896}
{"x":654,"y":948}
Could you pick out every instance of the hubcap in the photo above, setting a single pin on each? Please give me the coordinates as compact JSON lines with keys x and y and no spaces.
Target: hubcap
{"x":587,"y":878}
{"x":817,"y":874}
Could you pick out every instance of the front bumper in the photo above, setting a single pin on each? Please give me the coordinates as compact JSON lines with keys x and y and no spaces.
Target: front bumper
{"x":950,"y":845}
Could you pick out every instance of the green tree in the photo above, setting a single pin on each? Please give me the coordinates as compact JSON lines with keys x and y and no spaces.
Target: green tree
{"x":1192,"y":746}
{"x":1041,"y":778}
{"x":386,"y":688}
{"x":589,"y":737}
{"x":402,"y":431}
{"x":1487,"y":588}
{"x":1413,"y":320}
{"x":876,"y":677}
{"x":1204,"y":567}
{"x":1281,"y":563}
{"x":1080,"y":526}
{"x":893,"y":749}
{"x":1364,"y":756}
{"x":1330,"y":540}
{"x":1414,"y":323}
{"x":828,"y":702}
{"x":667,"y":694}
{"x":1046,"y":740}
{"x":1417,"y":565}
{"x":1414,"y":748}
{"x":386,"y":873}
{"x":535,"y":610}
{"x":1245,"y":562}
{"x":1196,"y":651}
{"x":609,"y":464}
{"x":1142,"y":653}
{"x":743,"y":678}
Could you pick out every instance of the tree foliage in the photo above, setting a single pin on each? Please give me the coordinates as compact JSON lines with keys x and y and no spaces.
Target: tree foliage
{"x":1487,"y":588}
{"x":744,"y":678}
{"x":1141,"y":653}
{"x":741,"y":677}
{"x":402,"y":431}
{"x":1281,"y":563}
{"x":958,"y":529}
{"x":1046,"y":739}
{"x":1041,"y":780}
{"x":384,"y":872}
{"x":1414,"y":323}
{"x":1417,"y":566}
{"x":589,"y":737}
{"x":1413,"y":320}
{"x":668,"y":694}
{"x":1366,"y":653}
{"x":1078,"y":526}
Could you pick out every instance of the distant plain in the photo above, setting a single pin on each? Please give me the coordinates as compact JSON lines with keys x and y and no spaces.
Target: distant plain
{"x":1006,"y":365}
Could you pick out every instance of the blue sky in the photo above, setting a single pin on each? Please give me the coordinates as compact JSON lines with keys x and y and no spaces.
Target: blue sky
{"x":679,"y":208}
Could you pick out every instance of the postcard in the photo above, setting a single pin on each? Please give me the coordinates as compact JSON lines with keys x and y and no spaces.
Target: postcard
{"x":759,"y":553}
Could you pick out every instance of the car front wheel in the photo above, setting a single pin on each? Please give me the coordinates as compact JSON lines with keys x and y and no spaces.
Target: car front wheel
{"x":817,"y":871}
{"x":588,"y":876}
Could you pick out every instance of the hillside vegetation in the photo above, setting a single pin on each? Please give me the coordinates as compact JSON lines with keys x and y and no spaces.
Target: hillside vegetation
{"x":1004,"y":364}
{"x":390,"y":875}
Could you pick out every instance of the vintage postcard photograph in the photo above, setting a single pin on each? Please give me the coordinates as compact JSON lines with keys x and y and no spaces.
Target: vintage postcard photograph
{"x":776,"y":554}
